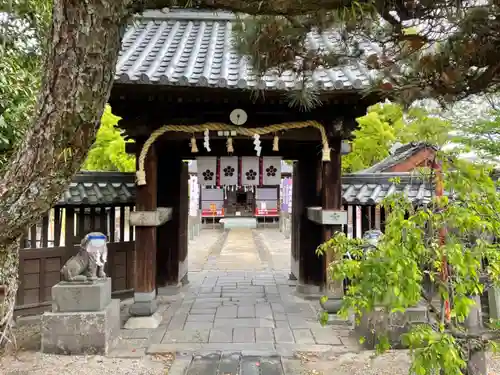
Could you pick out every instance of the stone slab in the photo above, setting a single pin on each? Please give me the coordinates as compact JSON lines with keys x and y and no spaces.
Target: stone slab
{"x":186,"y":348}
{"x":73,"y":333}
{"x":81,"y":296}
{"x":144,"y":322}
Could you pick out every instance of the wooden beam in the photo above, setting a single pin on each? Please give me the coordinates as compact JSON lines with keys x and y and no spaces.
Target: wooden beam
{"x":151,"y":218}
{"x":322,"y":216}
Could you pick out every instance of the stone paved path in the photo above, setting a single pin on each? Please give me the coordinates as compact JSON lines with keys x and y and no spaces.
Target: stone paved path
{"x":237,"y":301}
{"x":278,"y":246}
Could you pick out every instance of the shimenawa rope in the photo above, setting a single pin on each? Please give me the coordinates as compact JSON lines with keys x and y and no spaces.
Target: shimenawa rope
{"x":141,"y":173}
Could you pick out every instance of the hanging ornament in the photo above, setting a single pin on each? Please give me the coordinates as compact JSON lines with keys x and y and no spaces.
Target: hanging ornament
{"x":256,"y":142}
{"x":276,"y":141}
{"x":206,"y":140}
{"x":229,"y":143}
{"x":194,"y":147}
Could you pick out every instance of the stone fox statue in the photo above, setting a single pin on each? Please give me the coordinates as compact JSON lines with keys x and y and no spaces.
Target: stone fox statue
{"x":88,"y":263}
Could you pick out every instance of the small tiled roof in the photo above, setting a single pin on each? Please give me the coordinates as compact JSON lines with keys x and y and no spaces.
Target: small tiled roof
{"x":372,"y":188}
{"x":194,"y":48}
{"x":400,"y":155}
{"x":100,"y":188}
{"x":103,"y":188}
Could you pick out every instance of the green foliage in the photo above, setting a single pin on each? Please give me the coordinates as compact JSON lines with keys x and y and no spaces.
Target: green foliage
{"x":396,"y":274}
{"x":108,"y":152}
{"x":482,"y":137}
{"x":23,"y":27}
{"x":386,"y":124}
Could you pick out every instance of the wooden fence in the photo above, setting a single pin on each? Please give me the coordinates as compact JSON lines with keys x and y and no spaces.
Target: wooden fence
{"x":49,"y":244}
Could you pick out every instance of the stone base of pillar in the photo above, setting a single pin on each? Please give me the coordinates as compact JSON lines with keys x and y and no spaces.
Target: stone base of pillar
{"x":144,"y":312}
{"x":144,"y":304}
{"x":143,"y":308}
{"x":144,"y":322}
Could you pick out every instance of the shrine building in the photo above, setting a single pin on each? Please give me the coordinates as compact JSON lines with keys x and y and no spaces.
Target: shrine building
{"x":183,"y":93}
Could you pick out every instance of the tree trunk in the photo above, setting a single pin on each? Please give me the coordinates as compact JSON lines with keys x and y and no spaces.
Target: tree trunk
{"x":9,"y":267}
{"x":79,"y":72}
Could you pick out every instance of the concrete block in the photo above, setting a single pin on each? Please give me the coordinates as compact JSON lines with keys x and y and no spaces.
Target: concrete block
{"x":90,"y":332}
{"x":81,"y":296}
{"x":494,"y":302}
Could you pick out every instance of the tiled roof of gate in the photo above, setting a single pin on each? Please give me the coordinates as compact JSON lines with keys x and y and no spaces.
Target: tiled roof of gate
{"x":102,"y":188}
{"x":194,"y":48}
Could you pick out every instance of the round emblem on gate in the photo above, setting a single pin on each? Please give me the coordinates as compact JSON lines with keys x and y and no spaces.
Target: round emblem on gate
{"x":271,"y":171}
{"x":228,"y":171}
{"x":251,"y":174}
{"x":208,"y":175}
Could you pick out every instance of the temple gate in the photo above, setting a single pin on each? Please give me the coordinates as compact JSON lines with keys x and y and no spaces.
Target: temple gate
{"x":182,"y":93}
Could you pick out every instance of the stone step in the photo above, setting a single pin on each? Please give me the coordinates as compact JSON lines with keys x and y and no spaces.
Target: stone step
{"x":239,"y":222}
{"x":227,"y":364}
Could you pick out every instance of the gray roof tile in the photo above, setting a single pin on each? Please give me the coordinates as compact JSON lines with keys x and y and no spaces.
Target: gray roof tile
{"x":372,"y":188}
{"x":103,"y":188}
{"x":100,"y":188}
{"x":194,"y":48}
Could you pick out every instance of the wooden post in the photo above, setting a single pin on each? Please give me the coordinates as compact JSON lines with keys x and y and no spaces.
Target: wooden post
{"x":307,"y":234}
{"x":145,"y":243}
{"x":295,"y":226}
{"x":172,"y":236}
{"x":331,"y":197}
{"x":365,"y":220}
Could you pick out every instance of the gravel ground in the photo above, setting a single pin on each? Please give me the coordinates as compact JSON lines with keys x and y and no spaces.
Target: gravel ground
{"x":34,"y":363}
{"x":29,"y":361}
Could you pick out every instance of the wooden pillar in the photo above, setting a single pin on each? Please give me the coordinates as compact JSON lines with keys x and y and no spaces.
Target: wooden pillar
{"x":295,"y":220}
{"x":145,"y":243}
{"x":373,"y":217}
{"x":331,"y":197}
{"x":307,"y":235}
{"x":365,"y":219}
{"x":171,"y":258}
{"x":382,"y":219}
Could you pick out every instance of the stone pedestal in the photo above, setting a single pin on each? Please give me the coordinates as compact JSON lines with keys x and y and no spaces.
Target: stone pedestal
{"x":84,"y":319}
{"x":394,"y":325}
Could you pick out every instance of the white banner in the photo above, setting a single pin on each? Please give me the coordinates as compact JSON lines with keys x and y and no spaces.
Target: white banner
{"x":271,"y":170}
{"x":194,"y":195}
{"x":229,"y":170}
{"x":250,"y":170}
{"x":207,"y":170}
